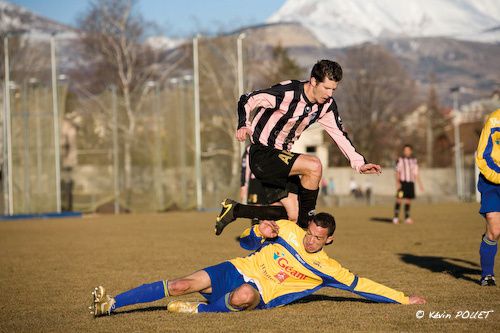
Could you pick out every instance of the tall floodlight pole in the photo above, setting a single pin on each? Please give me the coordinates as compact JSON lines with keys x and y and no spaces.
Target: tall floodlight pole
{"x":55,"y":111}
{"x":7,"y":135}
{"x":458,"y":155}
{"x":154,"y":87}
{"x":197,"y":127}
{"x":239,"y":54}
{"x":116,"y":184}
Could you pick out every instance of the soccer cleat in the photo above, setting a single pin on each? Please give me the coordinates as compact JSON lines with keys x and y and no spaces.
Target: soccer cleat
{"x":395,"y":220}
{"x":488,"y":280}
{"x":409,"y":221}
{"x":102,"y":303}
{"x":226,"y":215}
{"x":183,"y":307}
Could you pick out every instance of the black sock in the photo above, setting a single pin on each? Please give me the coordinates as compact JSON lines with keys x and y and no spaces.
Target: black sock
{"x":307,"y":204}
{"x":260,"y":212}
{"x":407,"y":210}
{"x":396,"y":209}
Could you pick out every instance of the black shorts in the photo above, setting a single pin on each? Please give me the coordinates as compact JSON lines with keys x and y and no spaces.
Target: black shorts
{"x":256,"y":193}
{"x":407,"y":190}
{"x":272,"y":167}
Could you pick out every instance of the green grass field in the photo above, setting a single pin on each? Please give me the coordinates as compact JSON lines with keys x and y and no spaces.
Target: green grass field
{"x":48,"y":269}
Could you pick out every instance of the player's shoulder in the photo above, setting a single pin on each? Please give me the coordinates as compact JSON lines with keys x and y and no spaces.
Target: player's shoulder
{"x":287,"y":224}
{"x":494,"y":119}
{"x":323,"y":262}
{"x":288,"y":85}
{"x":287,"y":227}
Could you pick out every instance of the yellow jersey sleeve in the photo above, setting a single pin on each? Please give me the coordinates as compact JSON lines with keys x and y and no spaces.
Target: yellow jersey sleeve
{"x":488,"y":149}
{"x":341,"y":278}
{"x":251,"y":239}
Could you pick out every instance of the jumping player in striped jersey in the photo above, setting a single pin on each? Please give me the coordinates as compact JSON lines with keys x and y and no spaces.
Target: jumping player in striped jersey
{"x":288,"y":264}
{"x":406,"y":176}
{"x":274,"y":119}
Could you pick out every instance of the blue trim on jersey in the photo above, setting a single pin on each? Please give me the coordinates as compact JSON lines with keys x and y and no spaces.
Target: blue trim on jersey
{"x":354,"y":282}
{"x":251,"y":242}
{"x":375,"y":298}
{"x":488,"y":150}
{"x":289,"y":298}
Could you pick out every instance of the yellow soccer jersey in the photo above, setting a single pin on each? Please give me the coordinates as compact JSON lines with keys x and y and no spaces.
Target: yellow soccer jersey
{"x":284,"y":271}
{"x":488,"y":150}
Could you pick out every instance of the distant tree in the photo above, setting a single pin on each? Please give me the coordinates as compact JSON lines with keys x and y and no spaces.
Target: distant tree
{"x":375,"y":96}
{"x":113,"y":45}
{"x":219,"y":93}
{"x":437,"y":142}
{"x":219,"y":98}
{"x":281,"y":67}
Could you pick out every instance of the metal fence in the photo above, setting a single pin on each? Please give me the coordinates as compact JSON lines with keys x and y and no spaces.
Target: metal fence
{"x":84,"y":150}
{"x":93,"y":169}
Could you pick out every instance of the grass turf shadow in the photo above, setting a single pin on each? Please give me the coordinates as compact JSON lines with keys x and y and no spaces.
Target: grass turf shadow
{"x":147,"y":309}
{"x":307,"y":299}
{"x":381,"y":219}
{"x":319,"y":298}
{"x":445,"y":265}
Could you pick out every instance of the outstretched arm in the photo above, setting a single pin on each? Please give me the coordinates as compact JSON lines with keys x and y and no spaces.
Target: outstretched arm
{"x":332,"y":123}
{"x":341,"y":278}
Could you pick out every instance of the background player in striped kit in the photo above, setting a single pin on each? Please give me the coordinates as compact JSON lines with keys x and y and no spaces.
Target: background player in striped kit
{"x":274,"y":119}
{"x":406,"y":175}
{"x":488,"y":162}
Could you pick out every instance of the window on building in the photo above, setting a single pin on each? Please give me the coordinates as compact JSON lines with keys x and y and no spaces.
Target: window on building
{"x":311,"y":149}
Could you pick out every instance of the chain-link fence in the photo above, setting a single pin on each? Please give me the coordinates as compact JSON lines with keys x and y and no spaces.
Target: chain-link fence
{"x":111,"y":159}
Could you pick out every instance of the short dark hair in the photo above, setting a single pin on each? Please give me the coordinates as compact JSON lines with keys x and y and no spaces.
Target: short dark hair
{"x":408,"y":145}
{"x":326,"y":69}
{"x":325,"y":220}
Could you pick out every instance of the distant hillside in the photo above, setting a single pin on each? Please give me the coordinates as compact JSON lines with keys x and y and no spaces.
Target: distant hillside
{"x":454,"y":62}
{"x":16,"y":18}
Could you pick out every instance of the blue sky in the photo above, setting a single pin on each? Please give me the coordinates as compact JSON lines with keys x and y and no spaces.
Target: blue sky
{"x":175,"y":17}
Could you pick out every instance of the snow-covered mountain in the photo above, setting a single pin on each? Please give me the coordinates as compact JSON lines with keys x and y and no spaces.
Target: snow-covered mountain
{"x":16,"y":18}
{"x":339,"y":23}
{"x":164,"y":42}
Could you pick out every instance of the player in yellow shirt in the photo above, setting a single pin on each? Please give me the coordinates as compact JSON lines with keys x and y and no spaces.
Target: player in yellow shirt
{"x":289,"y":263}
{"x":488,"y":162}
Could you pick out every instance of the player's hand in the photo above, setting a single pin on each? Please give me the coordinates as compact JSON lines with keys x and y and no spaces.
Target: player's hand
{"x":269,"y":229}
{"x":414,"y":299}
{"x":370,"y":168}
{"x":241,"y":134}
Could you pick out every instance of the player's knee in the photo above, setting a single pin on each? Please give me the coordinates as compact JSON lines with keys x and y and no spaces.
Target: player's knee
{"x":314,"y":167}
{"x":244,"y":297}
{"x":293,"y":214}
{"x":177,"y":287}
{"x":493,"y":226}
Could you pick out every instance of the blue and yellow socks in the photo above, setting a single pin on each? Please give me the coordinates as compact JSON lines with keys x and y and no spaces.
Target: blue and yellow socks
{"x":487,"y":252}
{"x":146,"y":293}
